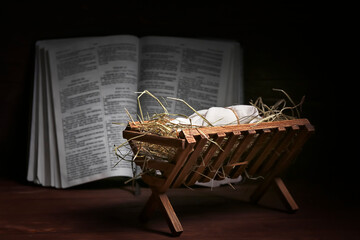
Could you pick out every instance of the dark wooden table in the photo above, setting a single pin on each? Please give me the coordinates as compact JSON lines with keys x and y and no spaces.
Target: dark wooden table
{"x":107,"y":211}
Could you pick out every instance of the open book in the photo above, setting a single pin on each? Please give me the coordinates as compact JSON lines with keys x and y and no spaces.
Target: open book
{"x":83,"y":85}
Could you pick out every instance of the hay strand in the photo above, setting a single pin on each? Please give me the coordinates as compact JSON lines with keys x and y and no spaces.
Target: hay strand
{"x":276,"y":111}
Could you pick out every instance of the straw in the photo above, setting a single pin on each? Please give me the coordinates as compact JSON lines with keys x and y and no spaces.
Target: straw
{"x":276,"y":111}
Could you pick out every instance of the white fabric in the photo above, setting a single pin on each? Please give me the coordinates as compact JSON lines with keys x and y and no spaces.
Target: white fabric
{"x":217,"y":183}
{"x":218,"y":116}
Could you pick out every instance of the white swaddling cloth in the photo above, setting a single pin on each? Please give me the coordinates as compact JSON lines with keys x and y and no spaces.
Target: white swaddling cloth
{"x":219,"y":116}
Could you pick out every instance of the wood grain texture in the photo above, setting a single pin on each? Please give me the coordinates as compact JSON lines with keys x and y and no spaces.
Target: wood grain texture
{"x":107,"y":211}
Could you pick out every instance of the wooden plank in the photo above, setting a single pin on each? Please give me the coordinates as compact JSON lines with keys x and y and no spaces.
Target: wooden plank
{"x":165,"y":167}
{"x":155,"y":139}
{"x":270,"y":147}
{"x":206,"y":159}
{"x":300,"y":140}
{"x":258,"y":145}
{"x":285,"y":142}
{"x":239,"y":151}
{"x":191,"y":162}
{"x":155,"y":182}
{"x":180,"y":159}
{"x":233,"y":137}
{"x":245,"y":127}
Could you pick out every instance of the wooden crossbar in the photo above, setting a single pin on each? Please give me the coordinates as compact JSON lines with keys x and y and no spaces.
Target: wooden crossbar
{"x":260,"y":149}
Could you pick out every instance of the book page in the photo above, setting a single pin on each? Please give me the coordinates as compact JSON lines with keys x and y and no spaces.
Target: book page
{"x":52,"y":141}
{"x":38,"y":164}
{"x":92,"y":81}
{"x":44,"y":165}
{"x":43,"y":158}
{"x":201,"y":72}
{"x":33,"y":141}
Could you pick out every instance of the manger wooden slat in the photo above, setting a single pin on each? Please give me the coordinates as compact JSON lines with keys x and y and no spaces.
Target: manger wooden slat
{"x":279,"y":133}
{"x":233,"y":137}
{"x":257,"y":146}
{"x":286,"y":141}
{"x":207,"y":157}
{"x":291,"y":153}
{"x":239,"y":151}
{"x":153,"y":181}
{"x":191,"y":162}
{"x":164,"y":167}
{"x":245,"y":127}
{"x":180,"y":159}
{"x":155,"y":139}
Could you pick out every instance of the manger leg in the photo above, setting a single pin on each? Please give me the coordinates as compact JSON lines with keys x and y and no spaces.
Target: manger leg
{"x":285,"y":195}
{"x":260,"y":191}
{"x":170,"y":215}
{"x":150,"y":207}
{"x":161,"y":200}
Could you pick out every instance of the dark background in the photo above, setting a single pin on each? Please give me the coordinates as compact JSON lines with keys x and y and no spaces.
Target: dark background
{"x":297,"y":47}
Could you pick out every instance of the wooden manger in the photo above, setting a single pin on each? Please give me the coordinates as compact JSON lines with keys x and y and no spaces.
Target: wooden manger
{"x":261,"y":149}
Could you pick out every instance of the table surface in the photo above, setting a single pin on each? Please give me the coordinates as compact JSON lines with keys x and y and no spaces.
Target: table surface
{"x":108,"y":211}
